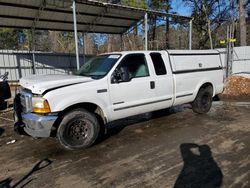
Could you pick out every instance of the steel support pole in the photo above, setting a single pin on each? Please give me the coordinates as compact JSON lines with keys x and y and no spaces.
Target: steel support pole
{"x":33,"y":50}
{"x":75,"y":32}
{"x":190,"y":34}
{"x":84,"y":46}
{"x":121,"y":38}
{"x":146,"y":31}
{"x":227,"y":53}
{"x":230,"y":62}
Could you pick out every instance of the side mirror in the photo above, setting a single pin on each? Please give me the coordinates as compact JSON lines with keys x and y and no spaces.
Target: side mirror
{"x":121,"y":75}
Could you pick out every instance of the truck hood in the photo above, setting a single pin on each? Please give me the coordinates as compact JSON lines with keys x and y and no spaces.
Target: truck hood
{"x":38,"y":84}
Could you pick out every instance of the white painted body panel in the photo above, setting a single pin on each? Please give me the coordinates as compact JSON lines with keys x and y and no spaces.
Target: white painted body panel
{"x":40,"y":83}
{"x":180,"y":59}
{"x":62,"y":98}
{"x":132,"y":93}
{"x":189,"y":83}
{"x":137,"y":92}
{"x":164,"y":84}
{"x":134,"y":97}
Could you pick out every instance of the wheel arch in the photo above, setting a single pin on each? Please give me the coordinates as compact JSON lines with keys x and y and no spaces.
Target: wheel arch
{"x":206,"y":85}
{"x":91,"y":107}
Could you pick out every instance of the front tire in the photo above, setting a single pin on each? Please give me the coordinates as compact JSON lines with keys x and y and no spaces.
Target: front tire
{"x":203,"y":101}
{"x":78,"y":129}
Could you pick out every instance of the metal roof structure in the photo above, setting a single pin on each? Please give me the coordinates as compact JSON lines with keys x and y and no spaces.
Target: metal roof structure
{"x":75,"y":15}
{"x":92,"y":16}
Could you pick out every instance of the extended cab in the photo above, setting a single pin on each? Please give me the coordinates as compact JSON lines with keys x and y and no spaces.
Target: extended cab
{"x":114,"y":86}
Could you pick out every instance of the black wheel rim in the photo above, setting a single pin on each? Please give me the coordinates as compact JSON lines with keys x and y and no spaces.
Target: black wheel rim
{"x":78,"y":132}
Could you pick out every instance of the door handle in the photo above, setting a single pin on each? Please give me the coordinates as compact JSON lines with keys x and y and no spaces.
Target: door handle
{"x":152,"y":85}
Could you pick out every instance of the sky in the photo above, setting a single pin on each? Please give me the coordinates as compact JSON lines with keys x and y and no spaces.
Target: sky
{"x":180,"y":8}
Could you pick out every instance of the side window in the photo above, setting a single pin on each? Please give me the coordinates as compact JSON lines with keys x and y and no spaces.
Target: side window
{"x":136,"y":65}
{"x":159,"y":65}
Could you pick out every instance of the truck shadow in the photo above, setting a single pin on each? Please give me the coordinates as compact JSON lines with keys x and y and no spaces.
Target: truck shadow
{"x":1,"y":131}
{"x":200,"y":169}
{"x":3,"y":105}
{"x":40,"y":165}
{"x":117,"y":126}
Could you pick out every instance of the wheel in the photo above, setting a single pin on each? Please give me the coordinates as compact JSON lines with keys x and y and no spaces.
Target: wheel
{"x":203,"y":101}
{"x":78,"y":129}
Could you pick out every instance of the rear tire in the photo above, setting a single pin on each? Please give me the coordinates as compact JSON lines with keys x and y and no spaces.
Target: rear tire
{"x":79,"y":129}
{"x":203,"y":101}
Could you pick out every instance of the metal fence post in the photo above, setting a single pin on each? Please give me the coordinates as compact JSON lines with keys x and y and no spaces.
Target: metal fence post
{"x":33,"y":62}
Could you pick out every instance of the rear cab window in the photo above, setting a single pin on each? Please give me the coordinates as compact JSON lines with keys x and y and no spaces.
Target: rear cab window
{"x":158,"y":63}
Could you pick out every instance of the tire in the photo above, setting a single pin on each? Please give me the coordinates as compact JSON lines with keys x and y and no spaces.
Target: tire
{"x":78,"y":129}
{"x":203,"y":101}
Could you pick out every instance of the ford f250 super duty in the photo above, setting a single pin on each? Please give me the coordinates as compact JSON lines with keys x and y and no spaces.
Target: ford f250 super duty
{"x":114,"y":86}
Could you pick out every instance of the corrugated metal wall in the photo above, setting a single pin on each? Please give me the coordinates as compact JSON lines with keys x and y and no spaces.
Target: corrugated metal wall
{"x":20,"y":63}
{"x":241,"y":63}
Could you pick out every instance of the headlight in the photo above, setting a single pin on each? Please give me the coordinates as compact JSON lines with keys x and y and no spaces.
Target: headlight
{"x":40,"y":105}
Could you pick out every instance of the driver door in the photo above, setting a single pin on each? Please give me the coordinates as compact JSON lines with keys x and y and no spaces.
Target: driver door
{"x":135,"y":95}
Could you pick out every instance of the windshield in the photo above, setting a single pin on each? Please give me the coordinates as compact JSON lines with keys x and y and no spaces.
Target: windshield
{"x":97,"y":67}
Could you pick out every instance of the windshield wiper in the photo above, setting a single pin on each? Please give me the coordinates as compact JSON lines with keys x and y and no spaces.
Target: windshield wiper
{"x":96,"y":77}
{"x":83,"y":75}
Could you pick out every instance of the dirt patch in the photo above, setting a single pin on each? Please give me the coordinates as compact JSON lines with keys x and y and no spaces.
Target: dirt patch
{"x":227,"y":145}
{"x":237,"y":87}
{"x":142,"y":151}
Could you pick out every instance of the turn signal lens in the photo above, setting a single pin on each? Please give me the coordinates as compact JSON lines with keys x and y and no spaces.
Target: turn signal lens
{"x":40,"y":105}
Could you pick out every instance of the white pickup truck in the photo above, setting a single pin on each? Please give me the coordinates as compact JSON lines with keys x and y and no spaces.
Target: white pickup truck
{"x":114,"y":86}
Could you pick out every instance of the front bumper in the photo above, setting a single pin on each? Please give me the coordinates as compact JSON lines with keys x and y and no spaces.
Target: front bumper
{"x":38,"y":125}
{"x":33,"y":124}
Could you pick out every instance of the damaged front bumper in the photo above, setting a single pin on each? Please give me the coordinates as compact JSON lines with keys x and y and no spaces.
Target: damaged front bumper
{"x":35,"y":125}
{"x":38,"y":125}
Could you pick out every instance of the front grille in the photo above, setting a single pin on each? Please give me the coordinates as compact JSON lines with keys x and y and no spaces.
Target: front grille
{"x":26,"y":101}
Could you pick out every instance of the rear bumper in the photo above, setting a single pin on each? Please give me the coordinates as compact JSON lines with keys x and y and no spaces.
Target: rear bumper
{"x":37,"y":125}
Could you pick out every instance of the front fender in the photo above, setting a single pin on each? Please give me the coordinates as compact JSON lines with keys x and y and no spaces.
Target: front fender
{"x":62,"y":99}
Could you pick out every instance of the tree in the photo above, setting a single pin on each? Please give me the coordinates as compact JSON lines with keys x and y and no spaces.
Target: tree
{"x":243,"y":28}
{"x":163,"y":6}
{"x":208,"y":15}
{"x":131,"y":3}
{"x":9,"y":38}
{"x":134,"y":3}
